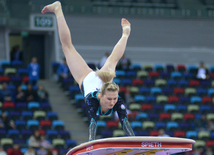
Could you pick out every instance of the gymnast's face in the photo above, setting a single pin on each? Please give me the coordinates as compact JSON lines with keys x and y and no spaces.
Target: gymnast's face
{"x":109,"y":99}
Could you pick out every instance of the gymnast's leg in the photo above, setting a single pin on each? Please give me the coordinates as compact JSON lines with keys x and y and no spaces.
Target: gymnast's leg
{"x":78,"y":67}
{"x":119,"y":48}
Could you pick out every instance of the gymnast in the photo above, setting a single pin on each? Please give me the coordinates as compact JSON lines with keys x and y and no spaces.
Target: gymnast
{"x":100,"y":93}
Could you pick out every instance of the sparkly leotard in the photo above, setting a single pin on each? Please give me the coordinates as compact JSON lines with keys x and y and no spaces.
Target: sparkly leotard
{"x":90,"y":89}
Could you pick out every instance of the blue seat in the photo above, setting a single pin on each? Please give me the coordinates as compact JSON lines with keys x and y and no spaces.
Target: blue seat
{"x":139,"y":98}
{"x":24,"y":87}
{"x":210,"y":92}
{"x":170,"y":68}
{"x":52,"y":115}
{"x":159,"y":68}
{"x":15,"y":63}
{"x":172,"y":126}
{"x":192,"y":69}
{"x":131,"y":74}
{"x":212,"y":135}
{"x":126,"y":82}
{"x":172,"y":83}
{"x":185,"y":126}
{"x":1,"y":71}
{"x":70,"y":143}
{"x":211,"y":68}
{"x":155,"y":91}
{"x":188,"y":76}
{"x":176,"y":75}
{"x":181,"y":108}
{"x":33,"y":106}
{"x":160,"y":125}
{"x":14,"y":115}
{"x":142,"y":116}
{"x":23,"y":150}
{"x":206,"y":83}
{"x":120,"y":74}
{"x":78,"y":98}
{"x":195,"y":100}
{"x":5,"y":62}
{"x":3,"y":133}
{"x":52,"y":134}
{"x":22,"y":72}
{"x":20,"y":124}
{"x":204,"y":109}
{"x":184,"y":100}
{"x":117,"y":81}
{"x":165,"y":75}
{"x":27,"y":115}
{"x":192,"y":134}
{"x":106,"y":133}
{"x":58,"y":125}
{"x":13,"y":133}
{"x":136,"y":67}
{"x":198,"y":116}
{"x":158,"y":108}
{"x":202,"y":92}
{"x":26,"y":134}
{"x":144,"y":91}
{"x":151,"y":99}
{"x":101,"y":123}
{"x":167,"y":91}
{"x":183,"y":83}
{"x":32,"y":124}
{"x":149,"y":83}
{"x":64,"y":134}
{"x":73,"y":90}
{"x":169,"y":108}
{"x":142,"y":133}
{"x":45,"y":106}
{"x":136,"y":125}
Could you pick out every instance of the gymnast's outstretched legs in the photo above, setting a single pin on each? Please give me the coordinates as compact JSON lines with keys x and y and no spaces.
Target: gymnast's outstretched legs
{"x":78,"y":67}
{"x":119,"y":48}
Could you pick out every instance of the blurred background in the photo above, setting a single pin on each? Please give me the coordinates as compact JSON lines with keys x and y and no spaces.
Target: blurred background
{"x":167,"y":84}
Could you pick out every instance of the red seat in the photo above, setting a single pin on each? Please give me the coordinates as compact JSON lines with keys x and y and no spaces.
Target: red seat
{"x":123,"y":89}
{"x":45,"y":124}
{"x":165,"y":116}
{"x":153,"y":133}
{"x":212,"y":76}
{"x":194,"y":83}
{"x":173,"y":99}
{"x":181,"y":68}
{"x":132,"y":116}
{"x":137,"y":82}
{"x":4,"y":79}
{"x":179,"y":134}
{"x":154,"y":75}
{"x":188,"y":117}
{"x":210,"y":143}
{"x":42,"y":132}
{"x":146,"y":107}
{"x":9,"y":150}
{"x":178,"y":91}
{"x":111,"y":125}
{"x":207,"y":100}
{"x":8,"y":106}
{"x":25,"y":79}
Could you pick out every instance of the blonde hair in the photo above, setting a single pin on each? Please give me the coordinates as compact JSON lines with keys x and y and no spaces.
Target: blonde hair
{"x":109,"y":86}
{"x":106,"y":78}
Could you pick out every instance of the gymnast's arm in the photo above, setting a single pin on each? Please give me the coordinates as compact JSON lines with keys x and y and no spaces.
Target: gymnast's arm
{"x":91,"y":113}
{"x":121,"y":110}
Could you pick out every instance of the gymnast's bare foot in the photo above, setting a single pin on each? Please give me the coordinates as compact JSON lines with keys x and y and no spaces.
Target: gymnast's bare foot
{"x":126,"y":27}
{"x":54,"y":7}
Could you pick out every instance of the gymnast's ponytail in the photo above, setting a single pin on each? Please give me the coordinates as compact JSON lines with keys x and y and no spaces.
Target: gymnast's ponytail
{"x":106,"y":78}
